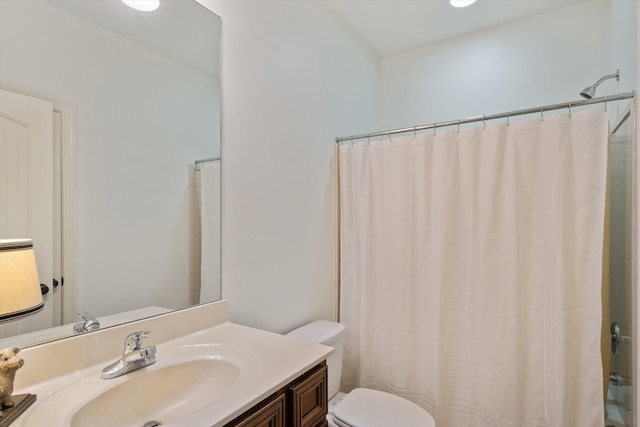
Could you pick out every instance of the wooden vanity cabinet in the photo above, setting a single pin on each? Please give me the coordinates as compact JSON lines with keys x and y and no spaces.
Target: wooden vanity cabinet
{"x":301,"y":403}
{"x":266,"y":414}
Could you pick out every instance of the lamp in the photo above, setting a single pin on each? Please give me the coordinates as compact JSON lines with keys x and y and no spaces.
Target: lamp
{"x":20,"y":296}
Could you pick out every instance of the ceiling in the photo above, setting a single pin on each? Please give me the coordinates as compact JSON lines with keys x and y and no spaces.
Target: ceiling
{"x":181,"y":29}
{"x":390,"y":27}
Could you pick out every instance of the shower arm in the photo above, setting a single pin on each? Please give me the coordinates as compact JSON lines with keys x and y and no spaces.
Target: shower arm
{"x":590,"y":91}
{"x":608,"y":76}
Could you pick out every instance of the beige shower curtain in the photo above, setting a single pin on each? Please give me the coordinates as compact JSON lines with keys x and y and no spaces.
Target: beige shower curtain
{"x":471,"y":270}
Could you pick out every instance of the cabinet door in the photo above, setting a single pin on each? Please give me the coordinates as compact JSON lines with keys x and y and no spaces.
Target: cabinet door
{"x":270,"y":415}
{"x":308,"y":399}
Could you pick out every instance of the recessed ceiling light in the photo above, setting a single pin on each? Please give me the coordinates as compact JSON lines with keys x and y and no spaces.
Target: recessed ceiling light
{"x":461,"y":3}
{"x":143,"y":5}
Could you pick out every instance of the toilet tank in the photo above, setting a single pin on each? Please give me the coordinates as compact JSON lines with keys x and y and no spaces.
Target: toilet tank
{"x":331,"y":334}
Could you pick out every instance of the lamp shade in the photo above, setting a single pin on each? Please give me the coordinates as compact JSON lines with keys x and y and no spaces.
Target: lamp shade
{"x":20,"y":293}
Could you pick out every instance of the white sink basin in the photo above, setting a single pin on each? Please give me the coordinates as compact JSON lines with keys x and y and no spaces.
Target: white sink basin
{"x":181,"y":382}
{"x":163,"y":395}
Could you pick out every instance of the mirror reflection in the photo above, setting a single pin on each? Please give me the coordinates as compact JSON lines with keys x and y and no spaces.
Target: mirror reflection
{"x":110,"y":158}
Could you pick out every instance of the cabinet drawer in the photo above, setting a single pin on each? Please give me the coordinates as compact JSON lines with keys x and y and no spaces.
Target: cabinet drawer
{"x":308,"y":399}
{"x":270,"y":415}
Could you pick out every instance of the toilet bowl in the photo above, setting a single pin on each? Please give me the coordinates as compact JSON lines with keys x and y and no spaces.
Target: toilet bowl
{"x":361,"y":407}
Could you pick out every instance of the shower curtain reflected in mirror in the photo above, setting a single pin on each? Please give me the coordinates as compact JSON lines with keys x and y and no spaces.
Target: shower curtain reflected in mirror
{"x":471,"y":270}
{"x":205,"y":232}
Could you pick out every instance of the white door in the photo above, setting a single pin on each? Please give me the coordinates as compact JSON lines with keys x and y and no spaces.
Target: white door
{"x":26,"y":190}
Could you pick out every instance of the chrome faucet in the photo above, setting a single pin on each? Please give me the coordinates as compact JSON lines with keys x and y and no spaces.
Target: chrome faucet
{"x":133,"y":357}
{"x":87,"y":324}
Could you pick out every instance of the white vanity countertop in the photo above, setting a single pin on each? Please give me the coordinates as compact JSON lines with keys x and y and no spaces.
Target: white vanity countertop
{"x":276,"y":361}
{"x":282,"y":359}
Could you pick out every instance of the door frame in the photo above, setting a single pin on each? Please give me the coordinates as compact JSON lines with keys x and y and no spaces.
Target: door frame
{"x":69,"y":207}
{"x":68,"y":198}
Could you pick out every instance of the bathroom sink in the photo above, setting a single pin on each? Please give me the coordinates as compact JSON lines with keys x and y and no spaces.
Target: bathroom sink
{"x":163,"y":395}
{"x":181,"y":382}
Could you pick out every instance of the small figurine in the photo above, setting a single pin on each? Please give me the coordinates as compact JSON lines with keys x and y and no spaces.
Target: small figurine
{"x":9,"y":364}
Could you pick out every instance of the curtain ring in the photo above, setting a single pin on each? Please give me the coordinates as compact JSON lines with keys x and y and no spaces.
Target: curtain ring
{"x":605,"y":103}
{"x":351,"y":139}
{"x":541,"y":115}
{"x":434,"y":129}
{"x":484,"y":123}
{"x":569,"y":109}
{"x":389,"y":135}
{"x":368,"y":139}
{"x":458,"y":126}
{"x":508,"y":123}
{"x":414,"y":132}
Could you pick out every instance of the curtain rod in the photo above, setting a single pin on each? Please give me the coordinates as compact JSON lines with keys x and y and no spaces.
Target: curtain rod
{"x":569,"y":105}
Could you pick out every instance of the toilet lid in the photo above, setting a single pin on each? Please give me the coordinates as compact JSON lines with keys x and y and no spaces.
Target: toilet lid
{"x":371,"y":408}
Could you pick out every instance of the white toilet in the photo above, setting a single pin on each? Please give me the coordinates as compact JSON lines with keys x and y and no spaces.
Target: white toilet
{"x":361,"y":407}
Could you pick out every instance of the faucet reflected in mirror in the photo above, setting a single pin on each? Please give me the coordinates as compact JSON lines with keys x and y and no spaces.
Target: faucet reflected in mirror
{"x":87,"y":324}
{"x":107,"y":65}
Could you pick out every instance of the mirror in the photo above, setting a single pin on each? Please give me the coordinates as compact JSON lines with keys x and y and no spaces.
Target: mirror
{"x":135,"y":100}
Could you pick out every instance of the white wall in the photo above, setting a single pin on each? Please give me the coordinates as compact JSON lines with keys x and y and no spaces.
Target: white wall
{"x":621,"y":48}
{"x":541,"y":60}
{"x":293,"y":79}
{"x":132,"y":167}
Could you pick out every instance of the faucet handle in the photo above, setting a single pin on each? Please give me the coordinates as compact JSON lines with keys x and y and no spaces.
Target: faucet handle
{"x":133,"y":341}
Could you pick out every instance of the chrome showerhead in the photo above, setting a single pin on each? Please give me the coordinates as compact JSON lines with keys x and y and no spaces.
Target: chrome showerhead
{"x":590,"y":91}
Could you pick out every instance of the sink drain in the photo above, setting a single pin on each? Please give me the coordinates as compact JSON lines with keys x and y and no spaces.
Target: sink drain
{"x":152,"y":423}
